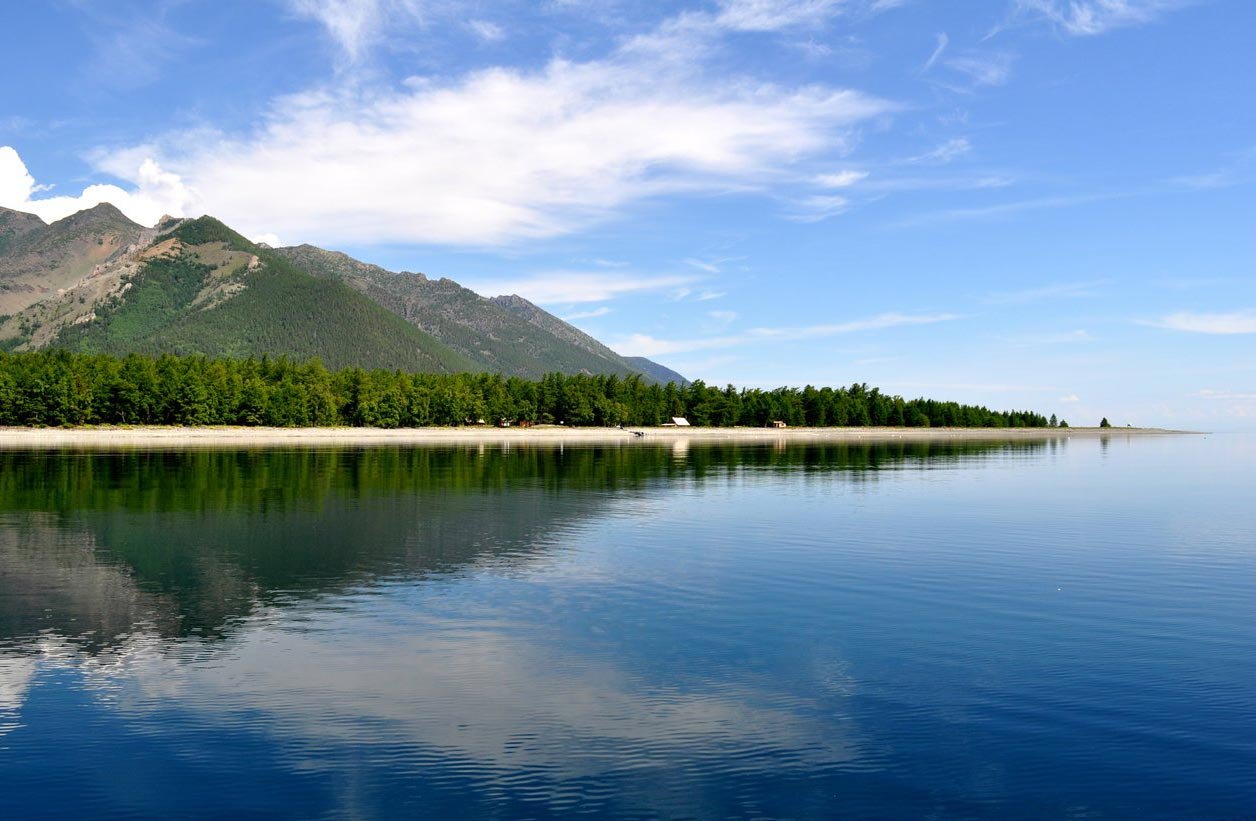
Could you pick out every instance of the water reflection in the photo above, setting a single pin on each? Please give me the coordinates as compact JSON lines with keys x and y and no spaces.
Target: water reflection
{"x":524,"y":632}
{"x":192,"y":542}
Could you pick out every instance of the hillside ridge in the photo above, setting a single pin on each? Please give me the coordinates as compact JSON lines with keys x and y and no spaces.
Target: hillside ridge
{"x":96,"y":281}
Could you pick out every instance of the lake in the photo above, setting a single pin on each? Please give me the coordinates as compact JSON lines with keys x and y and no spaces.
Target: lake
{"x":1052,"y":629}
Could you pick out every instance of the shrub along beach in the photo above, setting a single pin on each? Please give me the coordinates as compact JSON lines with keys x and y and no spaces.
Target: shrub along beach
{"x":58,"y":388}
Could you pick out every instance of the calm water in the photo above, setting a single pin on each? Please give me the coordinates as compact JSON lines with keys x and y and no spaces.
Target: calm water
{"x":1059,"y":629}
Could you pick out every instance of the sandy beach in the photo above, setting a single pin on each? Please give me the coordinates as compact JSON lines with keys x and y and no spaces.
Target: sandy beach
{"x":106,"y":437}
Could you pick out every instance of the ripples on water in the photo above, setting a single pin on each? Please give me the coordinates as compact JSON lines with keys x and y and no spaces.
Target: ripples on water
{"x":1059,"y":629}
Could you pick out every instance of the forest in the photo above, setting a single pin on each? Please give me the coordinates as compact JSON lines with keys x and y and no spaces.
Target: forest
{"x":57,"y":388}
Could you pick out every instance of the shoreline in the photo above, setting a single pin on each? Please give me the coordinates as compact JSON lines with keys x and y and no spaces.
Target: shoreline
{"x":158,"y":437}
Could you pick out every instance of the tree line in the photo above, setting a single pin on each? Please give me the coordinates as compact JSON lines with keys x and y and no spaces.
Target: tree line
{"x":57,"y":387}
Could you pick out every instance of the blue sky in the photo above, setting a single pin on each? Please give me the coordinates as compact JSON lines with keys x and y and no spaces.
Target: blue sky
{"x":1023,"y":203}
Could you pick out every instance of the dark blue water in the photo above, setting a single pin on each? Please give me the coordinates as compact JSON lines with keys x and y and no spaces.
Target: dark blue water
{"x":1052,"y":630}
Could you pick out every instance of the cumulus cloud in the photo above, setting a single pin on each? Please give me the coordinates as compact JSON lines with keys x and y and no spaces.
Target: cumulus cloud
{"x":1233,"y":322}
{"x":154,"y":192}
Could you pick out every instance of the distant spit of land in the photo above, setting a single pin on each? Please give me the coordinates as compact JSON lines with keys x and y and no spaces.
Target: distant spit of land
{"x":107,"y":437}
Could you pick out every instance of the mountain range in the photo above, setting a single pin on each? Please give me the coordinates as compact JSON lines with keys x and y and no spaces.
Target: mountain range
{"x":97,"y":282}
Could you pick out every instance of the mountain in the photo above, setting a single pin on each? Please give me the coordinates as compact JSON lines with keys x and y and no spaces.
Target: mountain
{"x":15,"y":224}
{"x":199,"y":287}
{"x":96,"y":282}
{"x":497,"y":333}
{"x":659,"y":373}
{"x":38,"y":260}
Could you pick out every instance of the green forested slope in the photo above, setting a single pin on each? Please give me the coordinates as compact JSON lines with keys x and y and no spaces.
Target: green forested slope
{"x":272,"y":309}
{"x":496,"y":338}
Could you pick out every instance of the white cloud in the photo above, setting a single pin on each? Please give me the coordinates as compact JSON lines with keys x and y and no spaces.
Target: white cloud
{"x":596,"y":312}
{"x":500,"y":155}
{"x":983,"y":69}
{"x":1232,"y":396}
{"x":774,"y":15}
{"x":1234,"y":322}
{"x":942,"y":41}
{"x":842,"y":179}
{"x":818,"y":208}
{"x":682,"y":294}
{"x":941,"y":154}
{"x":1034,"y":340}
{"x":155,"y":192}
{"x":355,"y":24}
{"x":645,"y":345}
{"x":1010,"y":208}
{"x":949,"y":183}
{"x":703,"y":265}
{"x":576,"y":286}
{"x":724,"y":317}
{"x":487,"y":31}
{"x":1091,"y":17}
{"x":1055,"y":290}
{"x":1071,"y":398}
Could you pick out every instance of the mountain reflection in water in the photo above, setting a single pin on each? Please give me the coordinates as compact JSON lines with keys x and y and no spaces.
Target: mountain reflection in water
{"x":523,"y":632}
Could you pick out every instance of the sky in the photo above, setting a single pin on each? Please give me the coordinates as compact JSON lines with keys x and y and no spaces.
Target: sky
{"x":1042,"y":204}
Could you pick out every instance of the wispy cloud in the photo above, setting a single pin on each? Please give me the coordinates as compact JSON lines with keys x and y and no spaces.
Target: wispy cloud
{"x":817,"y":208}
{"x":774,"y":15}
{"x":1232,"y":396}
{"x":645,"y":345}
{"x":983,"y":68}
{"x":1086,"y":18}
{"x":1038,"y":293}
{"x":937,"y":183}
{"x":1008,"y":208}
{"x":703,"y":265}
{"x":1225,"y":323}
{"x":569,"y":287}
{"x":596,"y":312}
{"x":942,"y":41}
{"x":1070,"y":399}
{"x":696,"y":295}
{"x":841,"y":179}
{"x":1061,"y":338}
{"x":132,"y":44}
{"x":355,"y":25}
{"x":502,"y":155}
{"x":940,"y":154}
{"x":487,"y":31}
